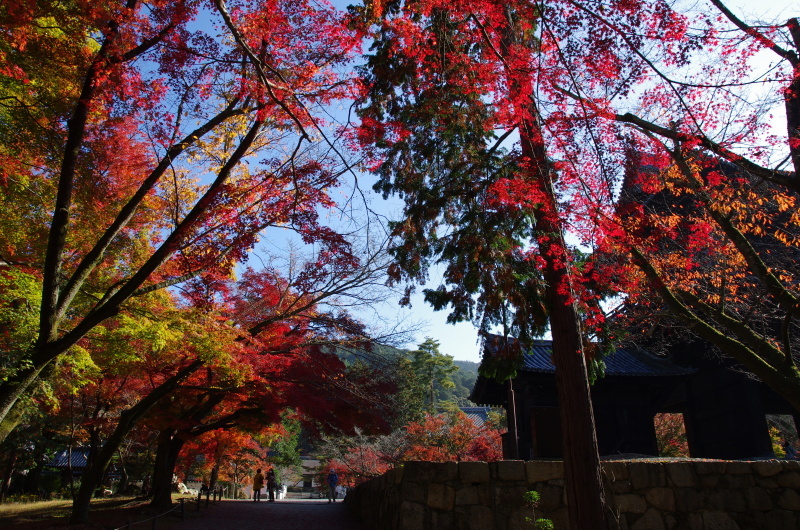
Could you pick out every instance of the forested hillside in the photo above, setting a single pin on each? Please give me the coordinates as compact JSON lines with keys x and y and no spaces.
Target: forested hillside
{"x":461,"y":374}
{"x":464,"y":380}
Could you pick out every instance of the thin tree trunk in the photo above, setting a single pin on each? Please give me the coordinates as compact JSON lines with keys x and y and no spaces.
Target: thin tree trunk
{"x":11,"y":391}
{"x":212,"y":483}
{"x":513,"y":436}
{"x":8,"y":472}
{"x":123,"y":481}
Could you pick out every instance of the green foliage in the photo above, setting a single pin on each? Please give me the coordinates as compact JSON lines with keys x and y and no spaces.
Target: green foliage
{"x":464,"y":381}
{"x":543,"y":524}
{"x":433,"y":370}
{"x":412,"y":398}
{"x":409,"y":401}
{"x":286,"y":448}
{"x":20,"y":296}
{"x":777,"y":442}
{"x":532,"y":499}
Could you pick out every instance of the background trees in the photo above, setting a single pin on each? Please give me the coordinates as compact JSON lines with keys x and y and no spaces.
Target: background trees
{"x":433,"y":370}
{"x":442,"y":437}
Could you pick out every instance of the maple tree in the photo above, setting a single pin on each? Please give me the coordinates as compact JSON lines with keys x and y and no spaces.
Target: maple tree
{"x":444,"y":437}
{"x":704,"y":234}
{"x":142,"y":182}
{"x":452,"y":437}
{"x":233,"y":454}
{"x":671,"y":435}
{"x":317,"y":388}
{"x":236,"y":356}
{"x":191,"y":343}
{"x":213,"y":454}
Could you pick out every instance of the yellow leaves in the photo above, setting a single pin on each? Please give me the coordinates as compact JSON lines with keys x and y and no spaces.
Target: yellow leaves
{"x":134,"y":340}
{"x":179,"y":192}
{"x":785,"y":202}
{"x":214,"y":149}
{"x":48,"y":26}
{"x":786,"y":237}
{"x":81,"y":367}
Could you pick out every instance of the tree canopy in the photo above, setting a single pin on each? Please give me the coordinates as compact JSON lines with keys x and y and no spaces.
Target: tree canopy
{"x":548,"y":155}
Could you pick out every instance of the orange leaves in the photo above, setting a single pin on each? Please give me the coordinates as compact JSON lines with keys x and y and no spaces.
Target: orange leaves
{"x":443,"y":438}
{"x":435,"y":438}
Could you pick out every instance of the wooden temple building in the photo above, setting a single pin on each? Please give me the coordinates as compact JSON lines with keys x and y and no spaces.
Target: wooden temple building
{"x":724,"y":409}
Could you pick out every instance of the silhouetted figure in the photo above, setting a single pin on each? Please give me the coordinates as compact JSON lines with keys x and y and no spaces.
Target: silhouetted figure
{"x":258,"y":483}
{"x":333,"y":480}
{"x":272,"y":484}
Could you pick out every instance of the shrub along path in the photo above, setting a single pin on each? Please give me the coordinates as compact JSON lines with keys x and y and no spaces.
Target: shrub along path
{"x":285,"y":514}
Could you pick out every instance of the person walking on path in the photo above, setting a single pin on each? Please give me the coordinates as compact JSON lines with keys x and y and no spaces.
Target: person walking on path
{"x":258,"y":483}
{"x":333,"y":480}
{"x":272,"y":484}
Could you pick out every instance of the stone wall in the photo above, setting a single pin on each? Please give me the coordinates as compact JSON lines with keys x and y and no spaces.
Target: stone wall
{"x":647,"y":495}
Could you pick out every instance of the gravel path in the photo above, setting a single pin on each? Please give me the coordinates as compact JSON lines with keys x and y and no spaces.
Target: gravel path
{"x":286,"y":514}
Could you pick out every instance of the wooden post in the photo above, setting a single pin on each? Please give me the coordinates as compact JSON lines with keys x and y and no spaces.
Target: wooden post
{"x":513,"y":445}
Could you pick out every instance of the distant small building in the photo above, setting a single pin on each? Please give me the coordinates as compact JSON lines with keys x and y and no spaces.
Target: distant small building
{"x":310,"y":469}
{"x":724,"y":410}
{"x":78,"y":461}
{"x":478,"y":415}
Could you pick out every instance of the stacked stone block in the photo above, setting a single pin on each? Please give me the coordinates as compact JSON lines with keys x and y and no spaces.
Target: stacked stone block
{"x":648,"y":495}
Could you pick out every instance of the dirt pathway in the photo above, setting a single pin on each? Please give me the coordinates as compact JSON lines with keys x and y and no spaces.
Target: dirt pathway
{"x":286,"y":514}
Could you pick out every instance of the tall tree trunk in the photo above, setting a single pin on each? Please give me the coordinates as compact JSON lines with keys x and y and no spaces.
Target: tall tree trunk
{"x":169,"y":446}
{"x":582,"y":473}
{"x":94,"y":474}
